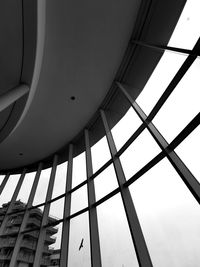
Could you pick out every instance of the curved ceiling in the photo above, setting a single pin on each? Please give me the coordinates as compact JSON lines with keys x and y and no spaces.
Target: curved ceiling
{"x":83,"y":46}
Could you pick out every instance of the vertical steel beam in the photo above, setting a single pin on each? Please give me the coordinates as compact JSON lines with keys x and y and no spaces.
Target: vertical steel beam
{"x":93,"y":223}
{"x":19,"y":238}
{"x":66,"y":212}
{"x":42,"y":233}
{"x":12,"y":202}
{"x":187,"y":177}
{"x":134,"y":225}
{"x":4,"y":182}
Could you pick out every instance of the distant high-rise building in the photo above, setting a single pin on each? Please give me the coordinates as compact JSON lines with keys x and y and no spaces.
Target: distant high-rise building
{"x":28,"y":245}
{"x":55,"y":258}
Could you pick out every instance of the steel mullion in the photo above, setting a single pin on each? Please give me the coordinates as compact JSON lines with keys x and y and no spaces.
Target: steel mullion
{"x":134,"y":225}
{"x":25,"y":218}
{"x":131,"y":139}
{"x":12,"y":202}
{"x":166,"y":48}
{"x":185,"y":132}
{"x":66,"y":212}
{"x":190,"y":181}
{"x":42,"y":232}
{"x":93,"y":222}
{"x":4,"y":182}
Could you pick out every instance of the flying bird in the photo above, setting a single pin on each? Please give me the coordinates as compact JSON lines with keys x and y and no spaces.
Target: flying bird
{"x":81,"y":244}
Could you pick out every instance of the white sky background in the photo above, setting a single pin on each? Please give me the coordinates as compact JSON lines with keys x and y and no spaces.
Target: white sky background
{"x":168,"y":213}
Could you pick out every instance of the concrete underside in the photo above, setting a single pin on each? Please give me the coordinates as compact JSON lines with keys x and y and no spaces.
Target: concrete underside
{"x":80,"y":48}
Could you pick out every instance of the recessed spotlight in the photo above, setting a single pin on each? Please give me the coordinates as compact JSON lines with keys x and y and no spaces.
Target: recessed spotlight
{"x":72,"y":97}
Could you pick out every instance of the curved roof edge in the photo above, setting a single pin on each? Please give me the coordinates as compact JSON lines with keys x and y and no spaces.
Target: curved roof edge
{"x":155,"y":24}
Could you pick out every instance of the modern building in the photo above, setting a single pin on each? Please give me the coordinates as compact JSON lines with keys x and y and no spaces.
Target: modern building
{"x":28,"y":245}
{"x":70,"y":72}
{"x":55,"y":258}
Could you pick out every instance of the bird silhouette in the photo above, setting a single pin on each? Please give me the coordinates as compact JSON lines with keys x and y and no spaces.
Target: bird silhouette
{"x":81,"y":244}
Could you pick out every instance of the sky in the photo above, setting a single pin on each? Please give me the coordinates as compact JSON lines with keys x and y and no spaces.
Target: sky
{"x":168,"y":213}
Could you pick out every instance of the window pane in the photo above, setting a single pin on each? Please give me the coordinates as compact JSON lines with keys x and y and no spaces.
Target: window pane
{"x":9,"y":189}
{"x":79,"y":199}
{"x":105,"y":182}
{"x":34,"y":221}
{"x":79,"y":169}
{"x":55,"y":233}
{"x":79,"y":233}
{"x":182,"y":105}
{"x":164,"y":72}
{"x":41,"y":191}
{"x":30,"y":238}
{"x":188,"y":151}
{"x":123,"y":130}
{"x":169,"y":216}
{"x":56,"y":213}
{"x":56,"y":208}
{"x":60,"y":180}
{"x":115,"y":239}
{"x":26,"y":187}
{"x":100,"y":154}
{"x":35,"y":218}
{"x":139,"y":153}
{"x":186,"y":32}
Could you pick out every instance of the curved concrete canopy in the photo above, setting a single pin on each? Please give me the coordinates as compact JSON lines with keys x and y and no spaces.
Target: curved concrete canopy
{"x":84,"y":44}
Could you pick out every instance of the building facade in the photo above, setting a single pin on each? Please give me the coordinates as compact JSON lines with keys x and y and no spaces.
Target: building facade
{"x":29,"y":242}
{"x":55,"y":258}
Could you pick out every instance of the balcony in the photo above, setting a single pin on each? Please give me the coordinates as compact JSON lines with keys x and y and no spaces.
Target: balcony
{"x":29,"y":244}
{"x":45,"y":261}
{"x":1,"y":217}
{"x":11,"y":231}
{"x":29,"y":258}
{"x":5,"y":256}
{"x":50,"y":240}
{"x":33,"y":234}
{"x":33,"y":221}
{"x":52,"y":230}
{"x":7,"y":242}
{"x":46,"y":250}
{"x":34,"y":212}
{"x":16,"y":221}
{"x":32,"y":246}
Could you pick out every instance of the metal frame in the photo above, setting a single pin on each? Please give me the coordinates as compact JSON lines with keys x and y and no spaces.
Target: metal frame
{"x":14,"y":197}
{"x":134,"y":225}
{"x":167,"y":150}
{"x":93,"y":222}
{"x":66,"y":213}
{"x":19,"y":237}
{"x":167,"y":48}
{"x":4,"y":182}
{"x":45,"y":215}
{"x":192,"y":184}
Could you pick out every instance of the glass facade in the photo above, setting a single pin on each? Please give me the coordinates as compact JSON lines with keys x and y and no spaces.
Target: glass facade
{"x":132,"y":198}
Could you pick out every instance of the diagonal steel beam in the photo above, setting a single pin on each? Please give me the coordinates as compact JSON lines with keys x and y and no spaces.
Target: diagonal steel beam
{"x":187,"y":177}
